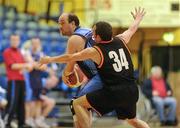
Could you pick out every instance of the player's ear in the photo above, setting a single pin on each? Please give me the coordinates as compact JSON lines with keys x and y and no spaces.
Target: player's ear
{"x":73,"y":23}
{"x":98,"y":38}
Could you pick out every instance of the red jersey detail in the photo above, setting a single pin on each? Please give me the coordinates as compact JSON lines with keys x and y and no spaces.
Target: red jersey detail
{"x":12,"y":56}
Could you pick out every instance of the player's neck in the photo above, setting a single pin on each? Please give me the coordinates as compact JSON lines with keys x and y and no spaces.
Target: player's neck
{"x":105,"y":42}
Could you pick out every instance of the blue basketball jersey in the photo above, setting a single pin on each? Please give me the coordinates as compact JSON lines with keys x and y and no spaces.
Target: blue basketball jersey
{"x":88,"y":67}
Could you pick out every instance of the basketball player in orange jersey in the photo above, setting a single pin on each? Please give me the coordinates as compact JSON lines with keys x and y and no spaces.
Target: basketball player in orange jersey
{"x":115,"y":67}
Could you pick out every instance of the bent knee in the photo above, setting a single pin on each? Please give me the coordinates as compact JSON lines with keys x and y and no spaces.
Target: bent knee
{"x":75,"y":103}
{"x":131,"y":120}
{"x":50,"y":102}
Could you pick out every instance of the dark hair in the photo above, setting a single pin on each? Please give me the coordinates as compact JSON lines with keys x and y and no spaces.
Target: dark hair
{"x":72,"y":17}
{"x":104,"y":30}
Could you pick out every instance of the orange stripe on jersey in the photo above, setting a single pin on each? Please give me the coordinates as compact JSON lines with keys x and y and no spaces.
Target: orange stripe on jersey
{"x":102,"y":57}
{"x":125,"y":45}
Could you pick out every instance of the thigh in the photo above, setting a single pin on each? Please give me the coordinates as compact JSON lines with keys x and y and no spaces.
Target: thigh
{"x":169,"y":101}
{"x":94,"y":84}
{"x":158,"y":100}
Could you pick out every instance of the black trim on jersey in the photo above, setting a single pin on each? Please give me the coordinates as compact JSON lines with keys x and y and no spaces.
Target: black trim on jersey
{"x":77,"y":28}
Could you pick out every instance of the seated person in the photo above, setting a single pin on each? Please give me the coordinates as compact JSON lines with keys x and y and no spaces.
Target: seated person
{"x":159,"y":92}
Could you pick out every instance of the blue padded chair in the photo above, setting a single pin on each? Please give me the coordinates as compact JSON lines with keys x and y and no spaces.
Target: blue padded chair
{"x":22,"y":17}
{"x":43,"y":35}
{"x":8,"y":24}
{"x":54,"y":36}
{"x":32,"y":26}
{"x":10,"y":15}
{"x":20,"y":25}
{"x":43,"y":27}
{"x":31,"y":34}
{"x":6,"y":33}
{"x":5,"y":44}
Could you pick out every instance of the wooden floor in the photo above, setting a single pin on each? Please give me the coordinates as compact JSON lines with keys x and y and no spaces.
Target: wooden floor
{"x":109,"y":122}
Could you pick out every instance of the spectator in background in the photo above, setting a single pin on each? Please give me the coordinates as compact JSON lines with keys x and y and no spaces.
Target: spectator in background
{"x":15,"y":66}
{"x":159,"y":92}
{"x":42,"y":105}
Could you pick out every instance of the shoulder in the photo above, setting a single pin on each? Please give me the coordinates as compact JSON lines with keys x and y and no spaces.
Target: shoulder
{"x":76,"y":39}
{"x":76,"y":43}
{"x":119,"y":38}
{"x":6,"y":51}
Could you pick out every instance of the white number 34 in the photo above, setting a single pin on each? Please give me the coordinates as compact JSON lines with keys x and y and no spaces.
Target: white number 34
{"x":120,"y":61}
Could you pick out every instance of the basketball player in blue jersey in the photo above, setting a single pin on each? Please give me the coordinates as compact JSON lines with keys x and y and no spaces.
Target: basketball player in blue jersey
{"x":79,"y":39}
{"x":115,"y":67}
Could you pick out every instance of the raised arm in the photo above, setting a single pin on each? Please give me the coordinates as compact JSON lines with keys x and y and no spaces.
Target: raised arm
{"x":138,"y":16}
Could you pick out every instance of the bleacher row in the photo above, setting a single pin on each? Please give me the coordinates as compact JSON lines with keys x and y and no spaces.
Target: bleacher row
{"x":28,"y":26}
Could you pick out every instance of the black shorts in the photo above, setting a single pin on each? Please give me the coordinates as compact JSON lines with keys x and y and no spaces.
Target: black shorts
{"x":122,"y":101}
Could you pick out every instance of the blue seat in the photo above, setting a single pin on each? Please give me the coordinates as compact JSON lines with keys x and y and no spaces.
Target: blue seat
{"x":6,"y":33}
{"x":10,"y":15}
{"x":62,"y":39}
{"x":43,"y":35}
{"x":31,"y":34}
{"x":22,"y":17}
{"x":58,"y":48}
{"x":43,"y":27}
{"x":5,"y":43}
{"x":32,"y":26}
{"x":54,"y":36}
{"x":20,"y":25}
{"x":54,"y":29}
{"x":46,"y":48}
{"x":8,"y":24}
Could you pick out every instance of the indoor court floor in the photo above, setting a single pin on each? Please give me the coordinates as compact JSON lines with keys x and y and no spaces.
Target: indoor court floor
{"x":109,"y":122}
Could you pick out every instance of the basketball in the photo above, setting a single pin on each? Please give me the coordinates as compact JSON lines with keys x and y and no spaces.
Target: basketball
{"x":76,"y":77}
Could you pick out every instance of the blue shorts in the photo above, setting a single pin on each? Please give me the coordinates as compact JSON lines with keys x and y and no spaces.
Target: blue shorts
{"x":28,"y":87}
{"x":93,"y":84}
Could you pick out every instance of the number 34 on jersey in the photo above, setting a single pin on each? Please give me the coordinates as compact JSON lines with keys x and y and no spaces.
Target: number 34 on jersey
{"x":120,"y":60}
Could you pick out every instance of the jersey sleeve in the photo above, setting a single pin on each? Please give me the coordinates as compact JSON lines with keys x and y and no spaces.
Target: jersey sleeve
{"x":101,"y":54}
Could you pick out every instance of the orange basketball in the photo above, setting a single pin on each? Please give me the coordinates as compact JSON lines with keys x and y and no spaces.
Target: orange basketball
{"x":76,"y":77}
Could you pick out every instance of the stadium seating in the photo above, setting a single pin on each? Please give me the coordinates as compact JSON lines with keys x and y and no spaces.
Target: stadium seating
{"x":28,"y":26}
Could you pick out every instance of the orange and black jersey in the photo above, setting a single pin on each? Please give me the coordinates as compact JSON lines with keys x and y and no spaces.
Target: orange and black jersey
{"x":116,"y":67}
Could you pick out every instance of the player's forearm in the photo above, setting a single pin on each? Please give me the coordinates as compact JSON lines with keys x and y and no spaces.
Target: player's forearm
{"x":19,"y":66}
{"x":69,"y":67}
{"x":61,"y":59}
{"x":134,"y":26}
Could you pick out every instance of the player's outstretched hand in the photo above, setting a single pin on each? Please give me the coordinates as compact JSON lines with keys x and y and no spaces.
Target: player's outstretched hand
{"x":138,"y":14}
{"x":44,"y":60}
